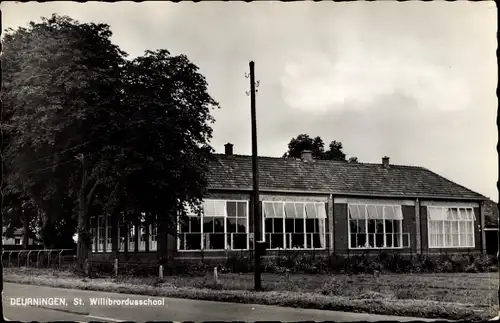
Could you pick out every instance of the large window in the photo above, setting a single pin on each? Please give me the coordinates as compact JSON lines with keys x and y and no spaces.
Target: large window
{"x":294,"y":225}
{"x":221,"y":225}
{"x":375,"y":226}
{"x":108,"y":234}
{"x":450,"y":227}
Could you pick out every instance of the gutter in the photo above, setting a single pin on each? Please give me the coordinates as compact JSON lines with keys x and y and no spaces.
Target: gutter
{"x":272,"y":190}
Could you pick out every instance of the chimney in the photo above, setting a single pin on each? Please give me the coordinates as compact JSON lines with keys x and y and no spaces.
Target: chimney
{"x":385,"y":162}
{"x":228,"y":149}
{"x":306,"y":155}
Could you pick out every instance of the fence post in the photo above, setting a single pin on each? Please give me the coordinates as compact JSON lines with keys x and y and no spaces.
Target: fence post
{"x":28,"y":260}
{"x":116,"y":267}
{"x":48,"y":260}
{"x":19,"y":259}
{"x":216,"y":276}
{"x":38,"y":259}
{"x":60,"y":259}
{"x":160,"y":272}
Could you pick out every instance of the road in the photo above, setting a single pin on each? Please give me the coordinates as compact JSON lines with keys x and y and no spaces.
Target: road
{"x":173,"y":309}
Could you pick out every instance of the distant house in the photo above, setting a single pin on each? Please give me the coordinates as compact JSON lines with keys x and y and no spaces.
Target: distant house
{"x":326,"y":207}
{"x":16,"y":241}
{"x":491,"y":226}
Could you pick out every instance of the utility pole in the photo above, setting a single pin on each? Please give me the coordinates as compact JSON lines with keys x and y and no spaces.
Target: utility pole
{"x":255,"y":171}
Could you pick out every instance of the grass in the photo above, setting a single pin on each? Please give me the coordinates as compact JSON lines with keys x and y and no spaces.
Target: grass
{"x":449,"y":296}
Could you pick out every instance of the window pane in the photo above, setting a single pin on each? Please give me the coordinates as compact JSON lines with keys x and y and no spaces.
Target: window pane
{"x":242,"y":225}
{"x":311,"y":210}
{"x":380,"y":210}
{"x":220,"y":207}
{"x":371,"y":226}
{"x":290,"y":211}
{"x":372,"y":212}
{"x":231,"y":209}
{"x":278,"y":209}
{"x":299,"y":207}
{"x":396,"y":225}
{"x":219,"y":225}
{"x":396,"y":241}
{"x":454,"y":227}
{"x":299,"y":225}
{"x":237,"y":241}
{"x":184,"y":224}
{"x":388,"y":240}
{"x":379,"y":226}
{"x":388,"y":226}
{"x":353,"y":241}
{"x":242,"y":209}
{"x":208,"y":224}
{"x":361,"y":226}
{"x":297,"y":240}
{"x":361,"y":240}
{"x":213,"y":241}
{"x":312,"y":225}
{"x":289,"y":225}
{"x":231,"y":225}
{"x":195,"y":224}
{"x":268,"y":210}
{"x":278,"y":225}
{"x":389,"y":212}
{"x":379,"y":240}
{"x":269,"y":225}
{"x":209,"y":208}
{"x":371,"y":240}
{"x":190,"y":241}
{"x":276,"y":240}
{"x":321,"y":210}
{"x":353,"y":225}
{"x":355,"y":213}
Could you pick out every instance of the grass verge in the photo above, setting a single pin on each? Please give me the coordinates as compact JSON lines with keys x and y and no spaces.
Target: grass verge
{"x":231,"y":288}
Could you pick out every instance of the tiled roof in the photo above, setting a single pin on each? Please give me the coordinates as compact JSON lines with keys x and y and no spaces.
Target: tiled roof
{"x":333,"y":177}
{"x":491,"y":214}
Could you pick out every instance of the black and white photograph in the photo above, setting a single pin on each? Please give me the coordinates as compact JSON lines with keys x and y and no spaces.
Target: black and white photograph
{"x":249,"y":161}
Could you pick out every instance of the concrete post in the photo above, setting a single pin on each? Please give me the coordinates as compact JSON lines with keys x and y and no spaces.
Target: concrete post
{"x":116,"y":267}
{"x":216,"y":276}
{"x":160,"y":273}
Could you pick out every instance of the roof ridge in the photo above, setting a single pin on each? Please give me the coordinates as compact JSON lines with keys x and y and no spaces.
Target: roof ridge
{"x":320,"y":160}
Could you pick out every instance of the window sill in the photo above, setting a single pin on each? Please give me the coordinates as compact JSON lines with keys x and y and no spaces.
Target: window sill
{"x":211,"y":250}
{"x":379,"y":248}
{"x":296,"y":249}
{"x":469,"y":247}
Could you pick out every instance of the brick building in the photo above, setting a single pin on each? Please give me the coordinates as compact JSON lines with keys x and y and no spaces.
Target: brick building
{"x":323,"y":206}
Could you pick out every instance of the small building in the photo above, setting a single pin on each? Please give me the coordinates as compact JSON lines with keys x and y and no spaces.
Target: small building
{"x":326,"y":207}
{"x":15,"y":241}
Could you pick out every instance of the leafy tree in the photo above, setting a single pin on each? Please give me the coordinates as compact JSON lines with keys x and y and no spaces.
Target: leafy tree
{"x":316,"y":146}
{"x":92,"y":133}
{"x":353,"y":160}
{"x":59,"y":83}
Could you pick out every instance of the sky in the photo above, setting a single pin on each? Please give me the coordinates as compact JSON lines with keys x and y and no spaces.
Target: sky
{"x":414,"y":81}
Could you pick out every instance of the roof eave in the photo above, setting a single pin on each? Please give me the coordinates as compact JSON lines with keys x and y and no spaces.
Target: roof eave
{"x":273,"y":190}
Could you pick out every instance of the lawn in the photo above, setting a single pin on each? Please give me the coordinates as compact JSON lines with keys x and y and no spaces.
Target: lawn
{"x":451,"y":296}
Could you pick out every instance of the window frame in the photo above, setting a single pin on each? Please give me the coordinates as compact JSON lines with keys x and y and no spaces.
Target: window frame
{"x":445,"y":234}
{"x":288,"y":235}
{"x":383,"y":219}
{"x":224,"y":217}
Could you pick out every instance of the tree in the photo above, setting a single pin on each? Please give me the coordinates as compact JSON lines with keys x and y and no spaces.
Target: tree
{"x":316,"y":146}
{"x":353,"y":160}
{"x":59,"y":82}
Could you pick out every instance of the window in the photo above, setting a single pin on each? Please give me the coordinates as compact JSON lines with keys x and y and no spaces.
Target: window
{"x":221,"y":225}
{"x":143,"y":236}
{"x":93,"y":231}
{"x":109,"y":228}
{"x":122,"y":233}
{"x":131,"y":237}
{"x":450,"y":227}
{"x":375,"y":226}
{"x":17,"y":241}
{"x":294,"y":225}
{"x":101,"y":233}
{"x":152,"y":237}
